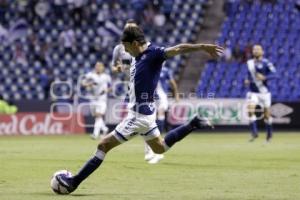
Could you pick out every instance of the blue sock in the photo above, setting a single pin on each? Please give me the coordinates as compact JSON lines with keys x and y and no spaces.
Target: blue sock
{"x":269,"y":131}
{"x":178,"y":134}
{"x":161,"y":125}
{"x":89,"y":167}
{"x":253,"y":127}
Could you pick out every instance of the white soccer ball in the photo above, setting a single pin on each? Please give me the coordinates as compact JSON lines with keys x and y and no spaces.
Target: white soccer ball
{"x":56,"y":186}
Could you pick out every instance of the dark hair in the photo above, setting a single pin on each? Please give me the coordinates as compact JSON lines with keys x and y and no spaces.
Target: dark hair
{"x":133,"y":33}
{"x":130,"y":21}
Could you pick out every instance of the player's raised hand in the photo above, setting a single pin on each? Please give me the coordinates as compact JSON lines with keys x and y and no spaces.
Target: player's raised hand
{"x":214,"y":50}
{"x":117,"y":68}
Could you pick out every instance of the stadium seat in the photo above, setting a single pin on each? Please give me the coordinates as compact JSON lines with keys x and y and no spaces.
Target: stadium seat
{"x":273,"y":26}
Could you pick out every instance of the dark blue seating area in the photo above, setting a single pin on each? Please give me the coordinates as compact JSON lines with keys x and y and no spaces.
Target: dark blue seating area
{"x":274,"y":26}
{"x":95,"y":39}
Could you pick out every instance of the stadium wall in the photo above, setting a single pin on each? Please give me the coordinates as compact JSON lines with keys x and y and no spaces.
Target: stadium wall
{"x":45,"y":117}
{"x":41,"y":123}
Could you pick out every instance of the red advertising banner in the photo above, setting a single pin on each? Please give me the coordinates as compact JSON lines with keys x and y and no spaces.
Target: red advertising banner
{"x":41,"y":124}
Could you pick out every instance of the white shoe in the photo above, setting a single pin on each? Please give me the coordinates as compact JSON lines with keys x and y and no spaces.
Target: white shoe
{"x":156,"y":159}
{"x":149,"y":156}
{"x":105,"y":130}
{"x":94,"y":137}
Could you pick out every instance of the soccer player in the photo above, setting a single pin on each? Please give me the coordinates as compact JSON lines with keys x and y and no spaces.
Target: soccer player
{"x":121,"y":62}
{"x":144,"y":75}
{"x":260,"y":71}
{"x":98,"y":83}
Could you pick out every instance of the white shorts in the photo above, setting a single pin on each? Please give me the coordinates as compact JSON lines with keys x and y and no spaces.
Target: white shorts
{"x":134,"y":124}
{"x":162,"y":102}
{"x":262,"y":99}
{"x":98,"y":107}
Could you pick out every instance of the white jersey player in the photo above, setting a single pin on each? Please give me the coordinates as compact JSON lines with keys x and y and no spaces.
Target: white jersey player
{"x":260,"y":71}
{"x":166,"y":82}
{"x":98,"y":84}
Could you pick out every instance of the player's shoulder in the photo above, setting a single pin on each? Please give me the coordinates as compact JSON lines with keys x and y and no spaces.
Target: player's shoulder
{"x":119,"y":47}
{"x":265,"y":60}
{"x":107,"y":76}
{"x":250,"y":61}
{"x":89,"y":73}
{"x":154,"y":47}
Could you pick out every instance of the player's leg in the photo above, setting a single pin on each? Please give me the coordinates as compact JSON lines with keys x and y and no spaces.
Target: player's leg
{"x":105,"y":145}
{"x":123,"y":132}
{"x":253,"y":123}
{"x":154,"y":158}
{"x":160,"y":145}
{"x":252,"y":101}
{"x":102,"y":110}
{"x":162,"y":107}
{"x":149,"y":154}
{"x":267,"y":116}
{"x":99,"y":125}
{"x":268,"y":122}
{"x":161,"y":119}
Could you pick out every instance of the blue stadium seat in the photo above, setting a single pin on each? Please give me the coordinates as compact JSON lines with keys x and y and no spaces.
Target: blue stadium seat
{"x":276,"y":27}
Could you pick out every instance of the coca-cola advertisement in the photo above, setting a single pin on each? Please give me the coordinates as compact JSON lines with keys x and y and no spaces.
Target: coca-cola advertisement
{"x":41,"y":124}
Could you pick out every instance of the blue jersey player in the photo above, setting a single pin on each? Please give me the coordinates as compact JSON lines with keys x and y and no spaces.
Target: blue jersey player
{"x":260,"y":71}
{"x":144,"y":76}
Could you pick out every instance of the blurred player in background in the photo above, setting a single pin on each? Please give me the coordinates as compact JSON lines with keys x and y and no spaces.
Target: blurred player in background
{"x":260,"y":71}
{"x":98,"y":83}
{"x":144,"y":75}
{"x":166,"y":81}
{"x":121,"y":62}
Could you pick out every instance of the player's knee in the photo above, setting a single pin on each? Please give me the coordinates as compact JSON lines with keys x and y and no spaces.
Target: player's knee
{"x":104,"y":146}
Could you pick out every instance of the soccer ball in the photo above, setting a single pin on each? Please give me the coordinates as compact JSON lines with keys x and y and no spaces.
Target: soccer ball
{"x":56,"y":186}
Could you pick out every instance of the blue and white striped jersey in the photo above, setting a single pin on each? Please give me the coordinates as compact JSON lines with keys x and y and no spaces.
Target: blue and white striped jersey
{"x":144,"y":76}
{"x":266,"y":68}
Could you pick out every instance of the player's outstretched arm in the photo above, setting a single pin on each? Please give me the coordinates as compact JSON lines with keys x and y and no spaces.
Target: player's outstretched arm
{"x":213,"y":50}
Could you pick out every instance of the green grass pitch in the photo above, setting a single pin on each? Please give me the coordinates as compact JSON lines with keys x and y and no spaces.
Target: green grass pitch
{"x":203,"y":166}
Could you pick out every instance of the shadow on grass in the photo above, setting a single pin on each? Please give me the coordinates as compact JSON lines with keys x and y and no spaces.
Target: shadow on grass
{"x":79,"y":194}
{"x":53,"y":194}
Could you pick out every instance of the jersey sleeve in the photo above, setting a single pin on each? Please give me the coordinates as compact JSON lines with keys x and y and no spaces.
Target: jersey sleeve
{"x":160,"y":54}
{"x":87,"y":78}
{"x":271,"y":71}
{"x":115,"y":56}
{"x":271,"y":67}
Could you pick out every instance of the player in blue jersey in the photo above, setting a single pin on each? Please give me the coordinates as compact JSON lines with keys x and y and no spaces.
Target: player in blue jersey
{"x":144,"y":76}
{"x":121,"y":62}
{"x":260,"y":71}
